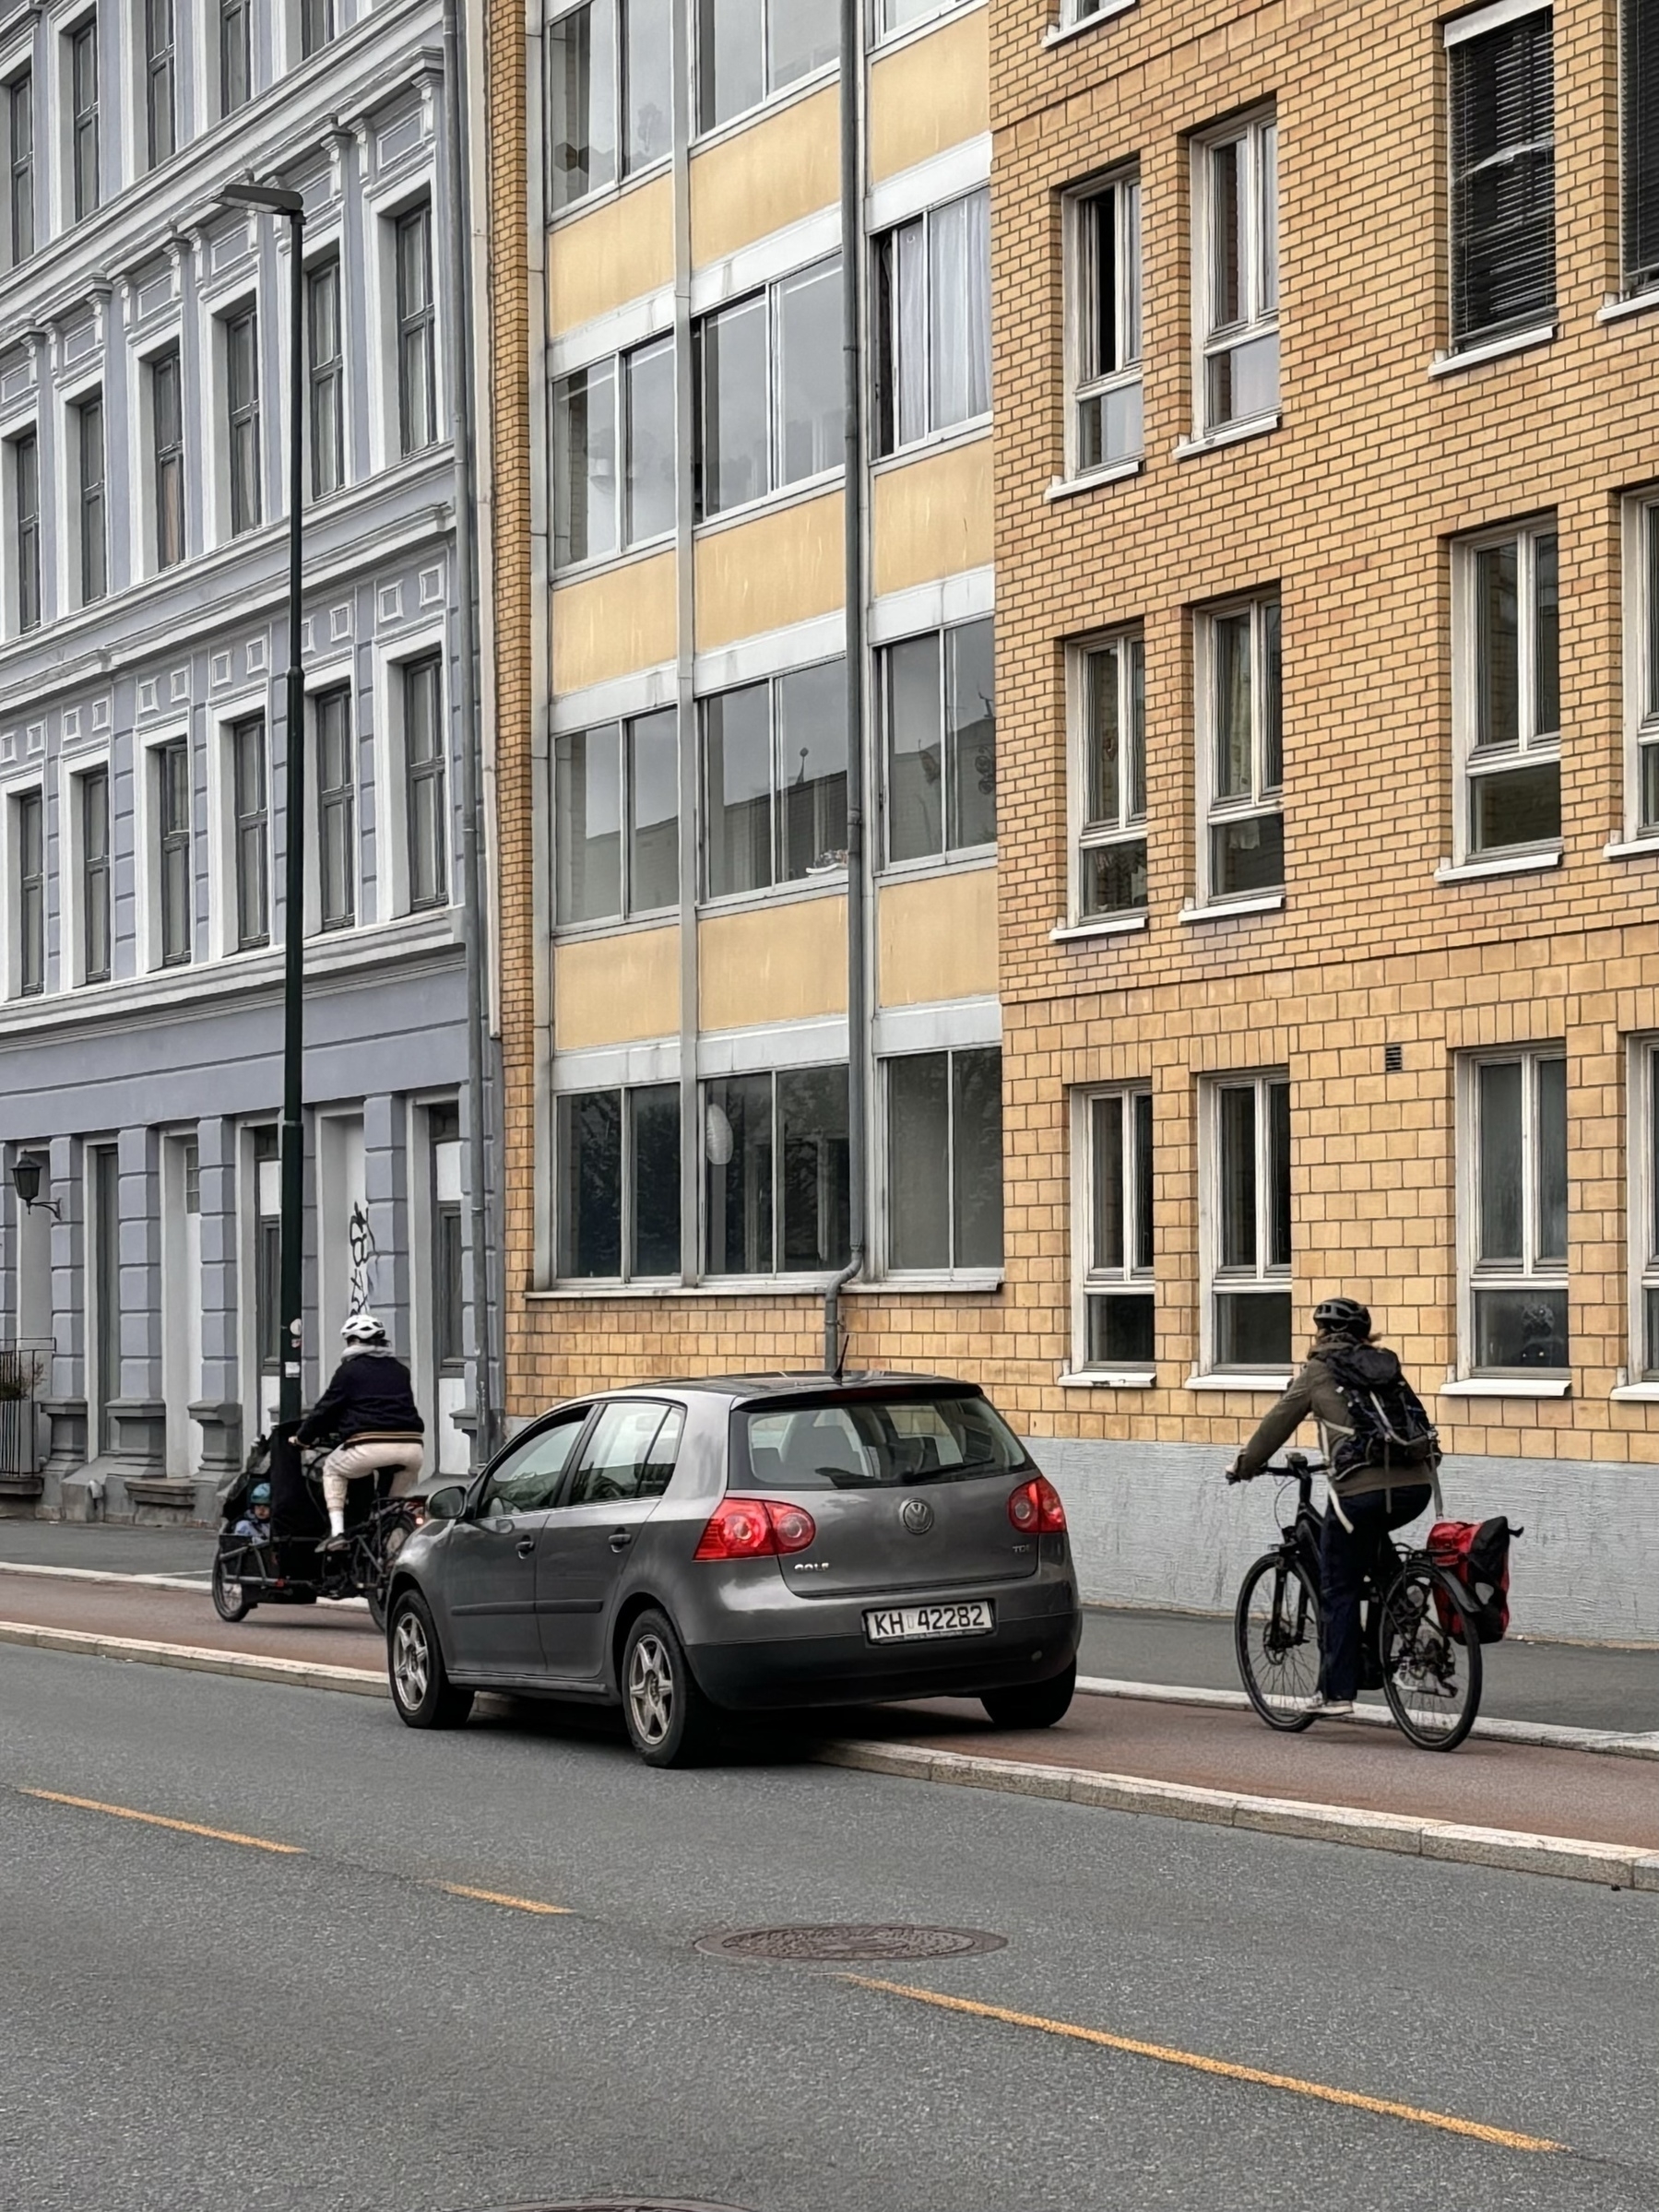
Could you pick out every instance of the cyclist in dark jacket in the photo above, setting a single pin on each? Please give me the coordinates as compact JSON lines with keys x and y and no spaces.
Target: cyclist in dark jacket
{"x":368,"y":1412}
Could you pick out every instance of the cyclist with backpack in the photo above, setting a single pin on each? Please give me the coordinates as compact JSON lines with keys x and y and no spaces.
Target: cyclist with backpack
{"x":1382,"y":1451}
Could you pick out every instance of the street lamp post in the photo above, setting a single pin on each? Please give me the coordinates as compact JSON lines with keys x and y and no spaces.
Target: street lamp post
{"x":276,"y":200}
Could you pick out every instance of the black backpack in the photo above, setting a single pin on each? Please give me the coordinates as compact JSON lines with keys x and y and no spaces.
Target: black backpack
{"x":1389,"y":1424}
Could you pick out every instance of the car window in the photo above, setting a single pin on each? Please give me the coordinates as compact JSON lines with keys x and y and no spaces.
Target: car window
{"x":525,"y":1480}
{"x":862,"y":1443}
{"x":629,"y":1453}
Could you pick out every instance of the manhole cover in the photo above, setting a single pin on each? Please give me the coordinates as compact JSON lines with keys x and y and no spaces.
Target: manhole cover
{"x":624,"y":2203}
{"x":850,"y":1944}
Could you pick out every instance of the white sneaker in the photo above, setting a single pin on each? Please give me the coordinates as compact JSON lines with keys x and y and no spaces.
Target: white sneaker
{"x":1333,"y":1708}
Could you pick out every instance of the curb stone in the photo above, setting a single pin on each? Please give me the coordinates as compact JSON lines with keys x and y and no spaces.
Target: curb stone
{"x":298,"y":1674}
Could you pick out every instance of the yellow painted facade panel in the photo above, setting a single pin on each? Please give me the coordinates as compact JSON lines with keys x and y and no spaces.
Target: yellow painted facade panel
{"x":781,"y":568}
{"x":618,"y":253}
{"x":784,"y":963}
{"x":933,"y":518}
{"x":616,"y":990}
{"x":748,"y":186}
{"x":612,"y":623}
{"x":937,"y":938}
{"x":930,"y":95}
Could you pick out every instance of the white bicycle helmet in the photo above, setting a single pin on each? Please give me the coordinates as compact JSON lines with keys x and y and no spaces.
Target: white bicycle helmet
{"x":363,"y":1329}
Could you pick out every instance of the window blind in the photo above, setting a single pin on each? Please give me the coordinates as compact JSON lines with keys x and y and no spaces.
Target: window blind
{"x":1642,"y":144}
{"x":1503,"y":221}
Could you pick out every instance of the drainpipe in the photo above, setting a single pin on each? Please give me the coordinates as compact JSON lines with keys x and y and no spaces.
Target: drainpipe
{"x":852,"y":503}
{"x":472,"y":873}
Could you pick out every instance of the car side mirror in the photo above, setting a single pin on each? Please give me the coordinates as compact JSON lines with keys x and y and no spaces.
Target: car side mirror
{"x":447,"y":1504}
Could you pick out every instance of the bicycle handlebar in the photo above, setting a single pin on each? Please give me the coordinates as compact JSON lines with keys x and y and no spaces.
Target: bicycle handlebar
{"x":1297,"y":1468}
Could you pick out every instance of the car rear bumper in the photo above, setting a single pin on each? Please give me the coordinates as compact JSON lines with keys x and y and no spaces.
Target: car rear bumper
{"x":846,"y":1669}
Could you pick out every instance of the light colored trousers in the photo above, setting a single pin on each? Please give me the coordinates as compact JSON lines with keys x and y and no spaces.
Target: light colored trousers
{"x":345,"y":1462}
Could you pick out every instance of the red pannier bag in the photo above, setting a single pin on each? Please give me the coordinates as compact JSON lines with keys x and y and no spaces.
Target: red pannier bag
{"x":1477,"y":1554}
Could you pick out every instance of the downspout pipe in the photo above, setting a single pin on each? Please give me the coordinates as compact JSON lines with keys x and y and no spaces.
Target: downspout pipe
{"x":852,"y":504}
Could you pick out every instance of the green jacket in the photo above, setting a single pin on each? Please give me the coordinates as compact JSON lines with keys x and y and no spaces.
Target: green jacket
{"x":1314,"y":1396}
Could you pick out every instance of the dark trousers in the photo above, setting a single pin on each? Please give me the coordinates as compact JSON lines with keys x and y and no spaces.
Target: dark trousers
{"x":1345,"y":1557}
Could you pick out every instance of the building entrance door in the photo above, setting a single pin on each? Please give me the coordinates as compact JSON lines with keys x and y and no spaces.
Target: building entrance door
{"x":106,"y":1291}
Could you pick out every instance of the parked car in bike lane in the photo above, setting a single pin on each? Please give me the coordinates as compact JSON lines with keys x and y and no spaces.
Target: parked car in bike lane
{"x":739,"y":1545}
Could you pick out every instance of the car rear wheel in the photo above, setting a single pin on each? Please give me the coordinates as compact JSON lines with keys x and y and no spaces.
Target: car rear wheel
{"x":669,"y":1722}
{"x":421,"y":1690}
{"x":1033,"y":1704}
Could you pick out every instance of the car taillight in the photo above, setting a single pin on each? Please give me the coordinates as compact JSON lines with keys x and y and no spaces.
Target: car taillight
{"x":755,"y":1527}
{"x":1035,"y":1508}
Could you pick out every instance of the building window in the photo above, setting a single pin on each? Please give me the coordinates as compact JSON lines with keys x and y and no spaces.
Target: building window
{"x":448,"y":1242}
{"x":1103,"y":326}
{"x":611,"y":97}
{"x":774,"y":1195}
{"x":748,"y":49}
{"x":1113,"y":1159}
{"x":159,"y":67}
{"x":167,"y":434}
{"x":618,"y":1184}
{"x":1241,"y":750}
{"x":326,"y":370}
{"x":337,"y":808}
{"x":1515,"y":1206}
{"x":93,"y":789}
{"x":1507,"y":692}
{"x":944,"y":1161}
{"x":1641,"y":658}
{"x":94,"y":543}
{"x":31,"y":831}
{"x":172,"y":850}
{"x":252,"y":829}
{"x":316,"y":25}
{"x":939,"y":725}
{"x":83,"y":117}
{"x":426,"y":818}
{"x":775,"y":781}
{"x":614,"y":455}
{"x":241,"y":396}
{"x":25,"y":540}
{"x":932,"y":310}
{"x":1500,"y":79}
{"x":620,"y":772}
{"x":1108,"y":709}
{"x":1644,"y":1225}
{"x":19,"y":117}
{"x":1236,"y":272}
{"x":268,"y":1252}
{"x":417,"y":359}
{"x":1245,"y":1222}
{"x":235,"y":55}
{"x":1640,"y":105}
{"x":768,"y":384}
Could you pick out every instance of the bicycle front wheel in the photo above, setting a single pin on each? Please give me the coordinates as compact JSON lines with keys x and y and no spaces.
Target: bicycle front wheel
{"x":1431,"y":1664}
{"x":1276,"y":1632}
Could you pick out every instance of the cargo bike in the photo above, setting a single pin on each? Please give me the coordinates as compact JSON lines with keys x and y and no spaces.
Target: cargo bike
{"x":290,"y":1565}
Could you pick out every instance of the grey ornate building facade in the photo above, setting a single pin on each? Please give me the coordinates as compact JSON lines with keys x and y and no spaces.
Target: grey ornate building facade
{"x":143,"y":537}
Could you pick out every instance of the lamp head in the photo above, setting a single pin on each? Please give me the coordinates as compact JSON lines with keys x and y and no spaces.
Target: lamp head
{"x":26,"y":1178}
{"x":274,"y":199}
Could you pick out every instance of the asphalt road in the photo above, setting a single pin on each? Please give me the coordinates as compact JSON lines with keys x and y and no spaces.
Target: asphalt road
{"x":191,"y":2022}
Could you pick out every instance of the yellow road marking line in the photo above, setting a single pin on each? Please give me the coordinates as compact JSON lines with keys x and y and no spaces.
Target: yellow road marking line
{"x":496,"y":1897}
{"x":159,"y":1820}
{"x":1506,"y":2137}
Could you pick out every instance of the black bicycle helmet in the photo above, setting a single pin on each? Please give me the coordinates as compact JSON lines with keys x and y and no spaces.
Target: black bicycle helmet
{"x":1342,"y":1317}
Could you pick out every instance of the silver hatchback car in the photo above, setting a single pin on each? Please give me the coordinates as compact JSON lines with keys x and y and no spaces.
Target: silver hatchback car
{"x":750,"y":1543}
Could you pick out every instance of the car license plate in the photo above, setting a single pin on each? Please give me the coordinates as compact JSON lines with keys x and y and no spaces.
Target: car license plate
{"x":909,"y":1624}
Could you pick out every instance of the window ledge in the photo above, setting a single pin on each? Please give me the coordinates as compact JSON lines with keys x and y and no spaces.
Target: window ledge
{"x":1110,"y":1378}
{"x":1638,"y":303}
{"x":1636,"y":1393}
{"x":1495,"y":349}
{"x":934,"y":442}
{"x":1632,"y":848}
{"x":1118,"y":925}
{"x":1071,"y":487}
{"x":604,"y":565}
{"x":975,"y":1281}
{"x":1262,"y":902}
{"x":769,"y":503}
{"x":1506,"y":1386}
{"x":961,"y":859}
{"x":1516,"y":864}
{"x":1259,"y":426}
{"x":1239,"y":1382}
{"x":1061,"y":34}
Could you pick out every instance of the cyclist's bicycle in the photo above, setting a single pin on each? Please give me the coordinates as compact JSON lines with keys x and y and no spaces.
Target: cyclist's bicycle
{"x":1417,"y":1642}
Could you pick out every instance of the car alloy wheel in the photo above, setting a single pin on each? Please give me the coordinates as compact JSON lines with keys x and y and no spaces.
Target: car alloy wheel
{"x":411,"y":1660}
{"x":651,"y":1690}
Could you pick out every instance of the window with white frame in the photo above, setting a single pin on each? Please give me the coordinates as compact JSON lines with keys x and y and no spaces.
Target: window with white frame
{"x":1513,"y":1192}
{"x":92,"y":809}
{"x":326,"y":377}
{"x":932,"y":321}
{"x":617,"y":1184}
{"x":1501,"y":86}
{"x":748,"y":49}
{"x":938,"y":702}
{"x":1507,"y":689}
{"x":337,"y":808}
{"x":1644,"y":1208}
{"x":26,"y":529}
{"x":317,"y":26}
{"x":1641,"y":660}
{"x":29,"y":848}
{"x":19,"y":165}
{"x":1103,"y":325}
{"x":611,"y":95}
{"x":81,"y":68}
{"x":774,"y":764}
{"x":1245,"y":1222}
{"x":1085,"y":11}
{"x":160,"y":69}
{"x":900,"y":15}
{"x":944,"y":1161}
{"x":417,"y":330}
{"x":1111,"y":1164}
{"x":1640,"y":149}
{"x":250,"y":831}
{"x":768,"y":384}
{"x":775,"y":1173}
{"x":91,"y":526}
{"x":1236,"y":273}
{"x":426,"y":817}
{"x":1240,"y":750}
{"x":235,"y":55}
{"x":614,"y":455}
{"x":242,"y":419}
{"x":1107,"y":707}
{"x":172,"y":811}
{"x":616,"y":818}
{"x":166,"y":457}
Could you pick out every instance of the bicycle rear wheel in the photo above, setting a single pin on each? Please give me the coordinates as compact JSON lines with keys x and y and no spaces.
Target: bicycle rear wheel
{"x":1275,"y":1633}
{"x":1431,"y":1664}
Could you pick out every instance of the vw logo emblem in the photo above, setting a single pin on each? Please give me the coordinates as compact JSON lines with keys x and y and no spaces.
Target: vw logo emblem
{"x":917,"y":1514}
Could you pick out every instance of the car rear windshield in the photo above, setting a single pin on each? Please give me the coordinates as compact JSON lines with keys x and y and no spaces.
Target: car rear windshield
{"x":871,"y":1443}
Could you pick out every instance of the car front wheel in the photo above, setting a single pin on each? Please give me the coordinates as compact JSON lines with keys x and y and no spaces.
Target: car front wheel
{"x":669,"y":1722}
{"x":421,"y":1690}
{"x":1033,"y":1704}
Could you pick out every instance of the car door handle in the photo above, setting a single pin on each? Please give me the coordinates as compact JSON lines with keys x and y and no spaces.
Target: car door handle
{"x":620,"y":1539}
{"x":526,"y":1544}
